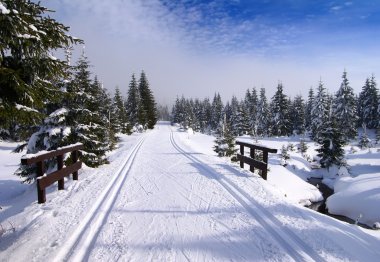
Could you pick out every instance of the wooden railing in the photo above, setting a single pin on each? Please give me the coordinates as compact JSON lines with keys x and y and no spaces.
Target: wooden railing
{"x":43,"y":181}
{"x":251,"y":161}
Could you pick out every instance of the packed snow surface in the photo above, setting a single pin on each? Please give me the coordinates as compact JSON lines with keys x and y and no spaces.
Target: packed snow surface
{"x":165,"y":196}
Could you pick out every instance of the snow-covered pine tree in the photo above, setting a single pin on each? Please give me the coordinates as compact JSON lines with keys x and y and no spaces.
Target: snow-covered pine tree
{"x":319,"y":112}
{"x":298,"y":115}
{"x":206,"y":115}
{"x":216,"y":111}
{"x":119,"y":117}
{"x":27,"y":68}
{"x":242,"y":122}
{"x":364,"y":141}
{"x":303,"y":147}
{"x":331,"y":140}
{"x":133,"y":101}
{"x":344,"y":109}
{"x":88,"y":125}
{"x":219,"y":147}
{"x":233,"y":117}
{"x":308,"y":110}
{"x":284,"y":155}
{"x":279,"y":107}
{"x":263,"y":114}
{"x":105,"y":109}
{"x":198,"y":111}
{"x":148,"y":105}
{"x":250,"y":106}
{"x":225,"y":140}
{"x":229,"y":141}
{"x":368,"y":103}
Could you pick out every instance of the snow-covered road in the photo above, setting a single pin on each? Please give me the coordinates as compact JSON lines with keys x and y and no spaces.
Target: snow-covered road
{"x":162,"y":200}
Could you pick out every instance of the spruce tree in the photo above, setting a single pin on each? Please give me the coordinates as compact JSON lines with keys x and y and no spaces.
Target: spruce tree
{"x":319,"y":112}
{"x":364,"y":141}
{"x":368,"y":103}
{"x":119,"y":115}
{"x":242,"y":122}
{"x":298,"y":115}
{"x":279,"y":107}
{"x":216,"y":111}
{"x":27,"y":68}
{"x":263,"y":114}
{"x":331,"y":140}
{"x":345,"y":110}
{"x":88,"y":125}
{"x":148,"y":105}
{"x":233,"y":118}
{"x":133,"y":103}
{"x":308,"y":110}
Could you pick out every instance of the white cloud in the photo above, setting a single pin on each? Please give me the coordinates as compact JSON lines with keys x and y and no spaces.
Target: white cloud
{"x":182,"y":55}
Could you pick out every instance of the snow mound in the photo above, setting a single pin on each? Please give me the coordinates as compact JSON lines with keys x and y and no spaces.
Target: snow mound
{"x":357,"y":197}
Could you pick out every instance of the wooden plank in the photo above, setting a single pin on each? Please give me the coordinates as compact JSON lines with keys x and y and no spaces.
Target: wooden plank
{"x":253,"y":162}
{"x":57,"y":175}
{"x":256,"y":146}
{"x":25,"y":160}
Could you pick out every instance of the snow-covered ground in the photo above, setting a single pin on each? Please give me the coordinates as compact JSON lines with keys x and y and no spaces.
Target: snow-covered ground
{"x":165,"y":196}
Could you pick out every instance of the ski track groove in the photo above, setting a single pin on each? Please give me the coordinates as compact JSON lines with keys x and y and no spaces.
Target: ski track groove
{"x":288,"y":240}
{"x":89,"y":228}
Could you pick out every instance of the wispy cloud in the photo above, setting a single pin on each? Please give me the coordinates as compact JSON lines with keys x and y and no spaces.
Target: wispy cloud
{"x":196,"y":48}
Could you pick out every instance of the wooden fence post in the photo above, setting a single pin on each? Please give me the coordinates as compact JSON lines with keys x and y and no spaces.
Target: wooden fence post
{"x":41,"y":193}
{"x":265,"y":171}
{"x":61,"y":182}
{"x":241,"y":153}
{"x":252,"y":155}
{"x":74,"y":155}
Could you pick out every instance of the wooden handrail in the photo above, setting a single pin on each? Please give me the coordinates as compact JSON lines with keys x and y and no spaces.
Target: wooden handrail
{"x":43,"y":180}
{"x":251,"y":161}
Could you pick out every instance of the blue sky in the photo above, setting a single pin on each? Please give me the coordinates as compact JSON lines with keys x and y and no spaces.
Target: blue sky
{"x":197,"y":48}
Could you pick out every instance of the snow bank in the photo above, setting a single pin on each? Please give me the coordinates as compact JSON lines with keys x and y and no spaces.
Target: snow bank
{"x":357,"y":197}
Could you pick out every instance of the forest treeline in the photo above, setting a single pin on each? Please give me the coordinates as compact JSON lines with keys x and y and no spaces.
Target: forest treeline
{"x":329,"y":119}
{"x":50,"y":103}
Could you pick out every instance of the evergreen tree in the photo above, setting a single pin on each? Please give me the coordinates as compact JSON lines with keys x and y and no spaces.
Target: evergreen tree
{"x":368,"y":103}
{"x":216,"y":111}
{"x":206,"y":116}
{"x":233,"y":117}
{"x":147,"y":103}
{"x":225,"y":140}
{"x":279,"y":107}
{"x":345,"y":109}
{"x":320,"y":112}
{"x":364,"y":141}
{"x":308,"y":110}
{"x":263,"y":114}
{"x":250,"y":107}
{"x":133,"y":103}
{"x":119,"y":116}
{"x":242,"y":122}
{"x":331,"y":145}
{"x":88,"y":126}
{"x":27,"y":68}
{"x":297,"y":115}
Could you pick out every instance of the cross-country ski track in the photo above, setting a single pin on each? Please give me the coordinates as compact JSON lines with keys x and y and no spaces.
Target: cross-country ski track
{"x":165,"y":201}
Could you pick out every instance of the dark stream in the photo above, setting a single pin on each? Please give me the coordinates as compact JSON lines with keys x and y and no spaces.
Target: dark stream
{"x":321,"y":205}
